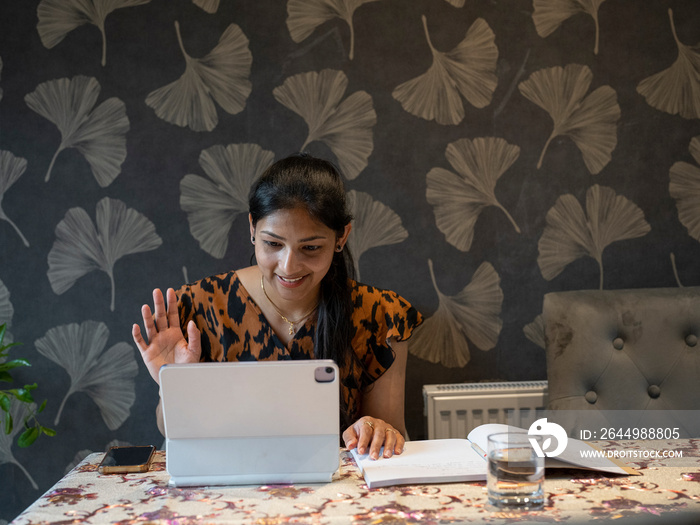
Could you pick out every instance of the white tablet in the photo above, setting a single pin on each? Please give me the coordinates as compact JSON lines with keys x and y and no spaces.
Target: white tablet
{"x":253,"y":422}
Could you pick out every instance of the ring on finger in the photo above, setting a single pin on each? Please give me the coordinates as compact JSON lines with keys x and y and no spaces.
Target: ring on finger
{"x":371,"y":425}
{"x":391,"y":430}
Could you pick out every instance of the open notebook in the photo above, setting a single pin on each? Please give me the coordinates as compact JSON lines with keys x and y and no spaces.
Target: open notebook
{"x":251,"y":422}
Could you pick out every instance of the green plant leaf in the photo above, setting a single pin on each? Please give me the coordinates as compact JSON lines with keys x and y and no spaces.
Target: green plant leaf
{"x":28,"y":437}
{"x":9,"y":345}
{"x":22,"y":394}
{"x":15,"y":363}
{"x":18,"y":403}
{"x":5,"y":403}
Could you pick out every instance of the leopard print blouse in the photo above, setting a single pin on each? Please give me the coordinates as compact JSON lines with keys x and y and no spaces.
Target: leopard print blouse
{"x":234,"y":329}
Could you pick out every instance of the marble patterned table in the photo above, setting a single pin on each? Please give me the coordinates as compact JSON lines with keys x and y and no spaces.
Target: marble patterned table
{"x":668,"y":490}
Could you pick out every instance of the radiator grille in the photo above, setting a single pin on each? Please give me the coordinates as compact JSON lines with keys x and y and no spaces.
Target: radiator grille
{"x":452,"y":411}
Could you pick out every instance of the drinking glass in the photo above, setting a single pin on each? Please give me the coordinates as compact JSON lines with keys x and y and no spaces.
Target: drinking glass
{"x":516,"y":474}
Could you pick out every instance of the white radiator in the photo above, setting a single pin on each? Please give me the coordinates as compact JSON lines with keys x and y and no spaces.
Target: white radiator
{"x":452,"y":411}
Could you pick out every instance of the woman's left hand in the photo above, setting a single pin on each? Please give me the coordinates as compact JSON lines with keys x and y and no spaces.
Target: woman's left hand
{"x":369,"y":434}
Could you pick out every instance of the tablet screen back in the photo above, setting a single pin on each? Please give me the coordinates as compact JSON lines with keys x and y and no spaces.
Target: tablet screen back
{"x":251,"y":422}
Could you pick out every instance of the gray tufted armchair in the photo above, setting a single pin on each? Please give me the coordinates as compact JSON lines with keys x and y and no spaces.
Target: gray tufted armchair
{"x":623,"y":349}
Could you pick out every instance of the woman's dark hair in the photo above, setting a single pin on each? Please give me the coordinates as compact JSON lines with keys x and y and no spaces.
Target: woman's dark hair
{"x":303,"y":181}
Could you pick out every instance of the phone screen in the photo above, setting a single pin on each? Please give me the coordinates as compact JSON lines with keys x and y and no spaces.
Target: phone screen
{"x":127,"y":459}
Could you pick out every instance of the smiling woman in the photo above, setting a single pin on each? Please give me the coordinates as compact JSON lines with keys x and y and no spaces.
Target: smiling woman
{"x":294,"y":252}
{"x":299,"y":301}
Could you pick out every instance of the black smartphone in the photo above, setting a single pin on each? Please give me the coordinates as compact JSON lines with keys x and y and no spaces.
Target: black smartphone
{"x":121,"y":460}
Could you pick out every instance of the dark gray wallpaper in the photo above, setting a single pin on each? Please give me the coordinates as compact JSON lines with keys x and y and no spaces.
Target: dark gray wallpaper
{"x":494,"y":150}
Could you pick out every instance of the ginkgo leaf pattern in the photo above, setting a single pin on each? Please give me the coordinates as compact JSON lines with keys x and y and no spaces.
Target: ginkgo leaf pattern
{"x":106,"y":376}
{"x":221,"y":76}
{"x":7,"y":311}
{"x":469,"y":69}
{"x":472,"y":313}
{"x":535,"y":331}
{"x":80,"y":247}
{"x":212,"y":204}
{"x":374,"y":224}
{"x":210,"y":6}
{"x":18,"y":411}
{"x":99,"y":133}
{"x":57,"y":18}
{"x":571,"y":233}
{"x":549,"y":14}
{"x":304,"y":16}
{"x":676,"y":90}
{"x":344,"y":125}
{"x":458,"y":199}
{"x":685,"y":189}
{"x":11,"y":169}
{"x":589,"y":120}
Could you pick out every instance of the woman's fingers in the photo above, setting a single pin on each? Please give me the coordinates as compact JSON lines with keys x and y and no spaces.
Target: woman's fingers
{"x":369,"y":435}
{"x":148,"y":357}
{"x":149,"y":322}
{"x":162,"y":342}
{"x":138,"y":338}
{"x":160,"y":312}
{"x":160,"y":325}
{"x":350,"y":437}
{"x":353,"y":437}
{"x":365,"y":435}
{"x":194,"y":341}
{"x":173,"y":316}
{"x":393,"y":443}
{"x":162,"y":317}
{"x":389,"y":442}
{"x":376,"y":440}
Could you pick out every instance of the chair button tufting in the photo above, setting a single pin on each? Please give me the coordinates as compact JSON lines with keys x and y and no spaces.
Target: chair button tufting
{"x":654,"y":391}
{"x":691,"y":340}
{"x":591,"y":396}
{"x":618,"y":343}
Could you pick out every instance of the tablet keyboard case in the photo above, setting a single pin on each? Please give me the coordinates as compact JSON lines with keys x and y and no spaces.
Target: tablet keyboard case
{"x":262,"y":422}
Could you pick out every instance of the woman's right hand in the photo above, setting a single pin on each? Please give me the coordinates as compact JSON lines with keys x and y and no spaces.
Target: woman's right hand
{"x":164,"y":343}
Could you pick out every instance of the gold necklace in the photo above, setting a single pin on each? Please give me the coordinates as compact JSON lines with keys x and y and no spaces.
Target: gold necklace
{"x":290,"y":323}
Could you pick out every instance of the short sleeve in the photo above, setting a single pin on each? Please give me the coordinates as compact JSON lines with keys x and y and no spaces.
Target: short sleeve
{"x":380,"y":315}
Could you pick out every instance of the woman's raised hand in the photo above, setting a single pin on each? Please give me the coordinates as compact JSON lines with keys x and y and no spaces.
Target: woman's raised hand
{"x":164,"y":343}
{"x":369,"y":435}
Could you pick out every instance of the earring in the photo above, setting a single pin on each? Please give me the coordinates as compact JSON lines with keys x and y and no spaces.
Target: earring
{"x":252,"y":239}
{"x":339,"y":248}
